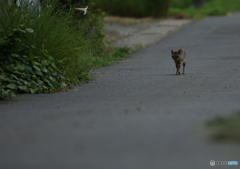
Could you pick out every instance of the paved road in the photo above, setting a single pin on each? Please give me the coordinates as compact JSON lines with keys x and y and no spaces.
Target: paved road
{"x":136,"y":114}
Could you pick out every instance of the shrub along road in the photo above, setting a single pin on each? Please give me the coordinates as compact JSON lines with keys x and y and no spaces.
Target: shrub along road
{"x":136,"y":114}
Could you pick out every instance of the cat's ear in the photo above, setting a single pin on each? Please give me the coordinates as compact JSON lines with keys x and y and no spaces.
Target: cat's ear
{"x":179,"y":52}
{"x":172,"y":51}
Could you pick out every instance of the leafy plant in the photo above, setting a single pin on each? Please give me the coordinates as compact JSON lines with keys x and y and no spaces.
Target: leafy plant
{"x":22,"y":71}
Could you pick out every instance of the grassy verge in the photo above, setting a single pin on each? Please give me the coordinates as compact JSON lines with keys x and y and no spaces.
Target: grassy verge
{"x":84,"y":65}
{"x":225,"y":129}
{"x":210,"y":8}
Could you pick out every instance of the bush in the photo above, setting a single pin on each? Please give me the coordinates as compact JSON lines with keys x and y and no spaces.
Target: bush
{"x":44,"y":52}
{"x":25,"y":62}
{"x":21,"y":70}
{"x":134,"y":8}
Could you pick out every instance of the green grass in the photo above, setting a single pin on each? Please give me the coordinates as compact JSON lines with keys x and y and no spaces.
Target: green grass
{"x":84,"y":64}
{"x":210,"y":8}
{"x":225,"y":129}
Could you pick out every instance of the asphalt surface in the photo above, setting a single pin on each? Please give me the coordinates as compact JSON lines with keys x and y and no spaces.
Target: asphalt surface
{"x":136,"y":114}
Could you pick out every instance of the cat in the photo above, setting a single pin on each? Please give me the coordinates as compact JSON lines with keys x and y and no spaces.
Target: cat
{"x":179,"y":58}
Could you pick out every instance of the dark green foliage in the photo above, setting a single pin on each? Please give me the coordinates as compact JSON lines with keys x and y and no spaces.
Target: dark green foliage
{"x":134,"y":8}
{"x":21,"y":71}
{"x":40,"y":52}
{"x":93,"y":21}
{"x":181,"y":4}
{"x":43,"y":52}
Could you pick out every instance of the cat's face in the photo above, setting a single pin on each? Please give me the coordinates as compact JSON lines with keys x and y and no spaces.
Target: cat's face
{"x":175,"y":55}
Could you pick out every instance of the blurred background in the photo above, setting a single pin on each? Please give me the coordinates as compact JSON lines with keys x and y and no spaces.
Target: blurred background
{"x":147,"y":8}
{"x":163,"y":8}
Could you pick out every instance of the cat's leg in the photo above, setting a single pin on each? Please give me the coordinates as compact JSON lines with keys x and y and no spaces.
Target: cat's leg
{"x":178,"y":66}
{"x":184,"y":64}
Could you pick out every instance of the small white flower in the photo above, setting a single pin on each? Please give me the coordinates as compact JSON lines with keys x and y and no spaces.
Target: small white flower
{"x":83,"y":9}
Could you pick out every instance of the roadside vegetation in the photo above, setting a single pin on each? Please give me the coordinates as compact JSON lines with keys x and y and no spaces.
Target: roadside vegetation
{"x":209,"y":8}
{"x":163,"y":8}
{"x":49,"y":51}
{"x":225,"y":129}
